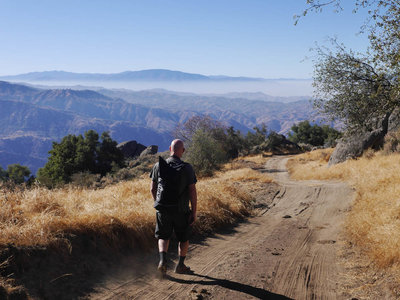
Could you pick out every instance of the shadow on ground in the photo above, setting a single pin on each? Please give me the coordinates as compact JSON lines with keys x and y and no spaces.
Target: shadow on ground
{"x":230,"y":285}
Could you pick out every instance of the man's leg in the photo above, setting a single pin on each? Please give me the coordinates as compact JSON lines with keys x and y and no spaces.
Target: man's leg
{"x":183,"y":232}
{"x":182,"y":250}
{"x":163,"y":233}
{"x":163,"y":245}
{"x":163,"y":249}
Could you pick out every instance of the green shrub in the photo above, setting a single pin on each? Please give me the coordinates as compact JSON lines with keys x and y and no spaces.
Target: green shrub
{"x":314,"y":135}
{"x":205,"y":153}
{"x":76,"y":154}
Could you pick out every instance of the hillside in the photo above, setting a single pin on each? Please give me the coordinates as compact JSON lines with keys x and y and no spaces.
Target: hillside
{"x":234,"y":109}
{"x":33,"y":119}
{"x":37,"y":116}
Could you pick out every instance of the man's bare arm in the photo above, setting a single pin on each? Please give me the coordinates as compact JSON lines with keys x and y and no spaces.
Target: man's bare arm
{"x":193,"y":201}
{"x":153,"y":189}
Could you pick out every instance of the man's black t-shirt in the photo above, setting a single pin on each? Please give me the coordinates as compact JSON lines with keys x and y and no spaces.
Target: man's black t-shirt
{"x":188,"y":177}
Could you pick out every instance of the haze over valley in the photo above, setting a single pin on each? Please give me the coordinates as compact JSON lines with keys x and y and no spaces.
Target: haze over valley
{"x":32,"y":117}
{"x":169,"y":80}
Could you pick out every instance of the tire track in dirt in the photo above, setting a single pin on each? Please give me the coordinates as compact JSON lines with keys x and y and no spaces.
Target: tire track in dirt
{"x":287,"y":251}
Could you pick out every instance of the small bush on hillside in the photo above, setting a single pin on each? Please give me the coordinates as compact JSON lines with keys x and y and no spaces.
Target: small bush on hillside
{"x":75,"y":154}
{"x":392,"y":142}
{"x":256,"y":138}
{"x":232,"y":141}
{"x":17,"y":174}
{"x":314,"y":135}
{"x":305,"y":147}
{"x":185,"y":131}
{"x":274,"y":141}
{"x":205,"y":153}
{"x":3,"y":174}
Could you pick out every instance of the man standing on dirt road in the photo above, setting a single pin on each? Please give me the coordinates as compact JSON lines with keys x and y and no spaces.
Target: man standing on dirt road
{"x":173,"y":185}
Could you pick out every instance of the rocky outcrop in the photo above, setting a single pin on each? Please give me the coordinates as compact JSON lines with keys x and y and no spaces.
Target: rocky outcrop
{"x":131,"y":149}
{"x":394,"y":121}
{"x":353,"y":146}
{"x":153,"y":149}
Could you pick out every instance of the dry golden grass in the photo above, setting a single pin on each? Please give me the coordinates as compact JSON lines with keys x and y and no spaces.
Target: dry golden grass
{"x":40,"y":216}
{"x":258,"y":159}
{"x":374,"y":220}
{"x":250,"y":162}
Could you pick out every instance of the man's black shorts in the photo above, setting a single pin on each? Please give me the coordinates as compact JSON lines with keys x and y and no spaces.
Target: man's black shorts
{"x":167,"y":222}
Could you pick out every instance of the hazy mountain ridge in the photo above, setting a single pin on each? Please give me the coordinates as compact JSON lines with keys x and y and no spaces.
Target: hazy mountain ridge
{"x":143,"y":75}
{"x":34,"y":121}
{"x":95,"y":105}
{"x":32,"y":117}
{"x":243,"y":113}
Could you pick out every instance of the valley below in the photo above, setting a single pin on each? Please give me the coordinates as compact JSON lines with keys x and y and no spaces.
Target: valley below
{"x":31,"y":117}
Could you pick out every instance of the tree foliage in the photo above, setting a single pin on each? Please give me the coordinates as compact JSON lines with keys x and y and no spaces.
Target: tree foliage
{"x":205,"y":153}
{"x":76,"y":154}
{"x":258,"y":137}
{"x":353,"y":89}
{"x":3,"y":174}
{"x":208,"y":143}
{"x":362,"y":90}
{"x":15,"y":173}
{"x":186,"y":130}
{"x":314,"y":135}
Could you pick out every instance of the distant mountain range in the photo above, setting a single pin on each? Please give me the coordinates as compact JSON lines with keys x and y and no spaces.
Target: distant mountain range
{"x":143,"y":75}
{"x":31,"y":118}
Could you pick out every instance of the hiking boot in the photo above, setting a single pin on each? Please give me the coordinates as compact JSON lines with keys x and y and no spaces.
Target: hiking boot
{"x":182,"y":269}
{"x":162,"y":269}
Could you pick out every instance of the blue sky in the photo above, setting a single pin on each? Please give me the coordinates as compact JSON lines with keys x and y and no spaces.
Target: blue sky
{"x":255,"y":38}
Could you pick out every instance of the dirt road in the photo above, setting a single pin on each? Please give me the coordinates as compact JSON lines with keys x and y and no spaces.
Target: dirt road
{"x":287,"y":251}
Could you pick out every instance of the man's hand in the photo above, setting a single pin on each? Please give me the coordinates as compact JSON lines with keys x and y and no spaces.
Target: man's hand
{"x":193,"y":202}
{"x":192,"y":218}
{"x":153,"y":189}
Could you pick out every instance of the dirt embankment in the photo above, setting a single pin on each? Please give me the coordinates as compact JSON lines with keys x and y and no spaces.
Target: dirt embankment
{"x":288,"y":250}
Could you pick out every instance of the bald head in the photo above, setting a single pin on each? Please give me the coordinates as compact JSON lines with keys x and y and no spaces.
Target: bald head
{"x":177,"y":148}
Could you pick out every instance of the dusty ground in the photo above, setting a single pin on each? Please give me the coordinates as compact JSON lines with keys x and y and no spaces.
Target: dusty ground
{"x":288,"y":250}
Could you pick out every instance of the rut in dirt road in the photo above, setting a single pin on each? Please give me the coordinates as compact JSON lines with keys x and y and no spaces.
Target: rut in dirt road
{"x":288,"y":251}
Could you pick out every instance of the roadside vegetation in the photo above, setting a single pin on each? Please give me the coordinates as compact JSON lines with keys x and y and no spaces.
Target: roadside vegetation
{"x":80,"y":154}
{"x":39,"y":216}
{"x":210,"y":144}
{"x":16,"y":174}
{"x":373,"y":222}
{"x":73,"y":224}
{"x":314,"y":135}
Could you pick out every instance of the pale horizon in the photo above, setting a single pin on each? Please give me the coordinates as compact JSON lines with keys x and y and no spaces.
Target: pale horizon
{"x":276,"y":88}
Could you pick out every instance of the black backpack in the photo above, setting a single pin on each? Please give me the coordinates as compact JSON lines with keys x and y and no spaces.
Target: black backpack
{"x":170,"y":187}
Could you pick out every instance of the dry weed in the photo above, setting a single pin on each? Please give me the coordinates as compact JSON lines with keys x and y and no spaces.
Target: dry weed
{"x":392,"y":142}
{"x":258,"y":159}
{"x":251,"y":161}
{"x":39,"y":216}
